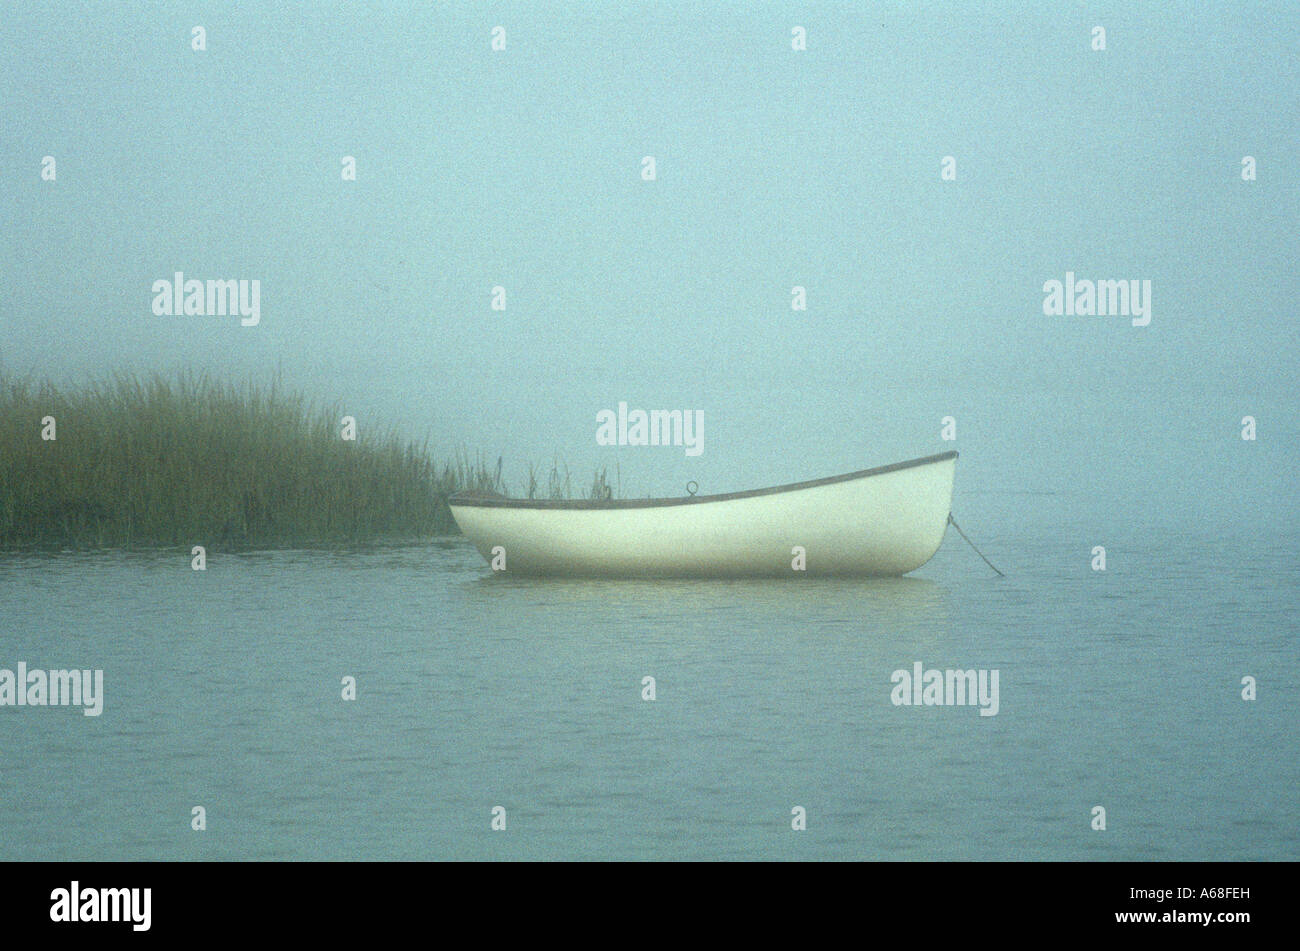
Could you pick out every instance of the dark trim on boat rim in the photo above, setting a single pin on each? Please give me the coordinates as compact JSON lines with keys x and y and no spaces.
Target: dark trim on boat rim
{"x":487,"y":501}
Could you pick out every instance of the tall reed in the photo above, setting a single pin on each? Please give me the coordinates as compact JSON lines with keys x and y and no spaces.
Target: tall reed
{"x":161,"y":461}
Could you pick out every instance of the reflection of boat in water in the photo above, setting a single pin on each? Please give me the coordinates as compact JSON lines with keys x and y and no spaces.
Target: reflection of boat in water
{"x":883,"y":521}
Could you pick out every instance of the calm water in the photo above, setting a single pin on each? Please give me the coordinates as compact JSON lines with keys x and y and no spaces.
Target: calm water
{"x":223,"y":690}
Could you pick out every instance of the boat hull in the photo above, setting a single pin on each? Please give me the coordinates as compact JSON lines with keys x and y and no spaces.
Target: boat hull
{"x":877,"y":522}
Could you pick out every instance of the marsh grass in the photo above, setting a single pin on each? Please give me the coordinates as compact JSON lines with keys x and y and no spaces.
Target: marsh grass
{"x":158,"y":461}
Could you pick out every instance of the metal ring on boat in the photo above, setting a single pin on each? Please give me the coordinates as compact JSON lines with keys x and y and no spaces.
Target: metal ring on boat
{"x":692,"y":487}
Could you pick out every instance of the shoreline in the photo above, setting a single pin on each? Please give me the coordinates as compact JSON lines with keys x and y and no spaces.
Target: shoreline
{"x":166,"y":462}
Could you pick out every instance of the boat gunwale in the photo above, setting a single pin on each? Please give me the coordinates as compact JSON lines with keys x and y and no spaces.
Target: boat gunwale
{"x":472,"y":501}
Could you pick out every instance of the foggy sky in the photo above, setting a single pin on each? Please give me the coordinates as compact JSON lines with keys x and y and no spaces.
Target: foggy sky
{"x":776,"y":168}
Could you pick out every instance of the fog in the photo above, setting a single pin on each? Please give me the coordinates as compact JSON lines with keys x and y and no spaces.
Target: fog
{"x":774,"y":168}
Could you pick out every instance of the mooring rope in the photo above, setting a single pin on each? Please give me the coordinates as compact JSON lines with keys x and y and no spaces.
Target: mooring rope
{"x":953,"y":522}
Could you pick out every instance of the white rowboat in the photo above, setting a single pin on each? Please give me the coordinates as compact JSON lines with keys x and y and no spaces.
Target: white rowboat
{"x":884,"y":521}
